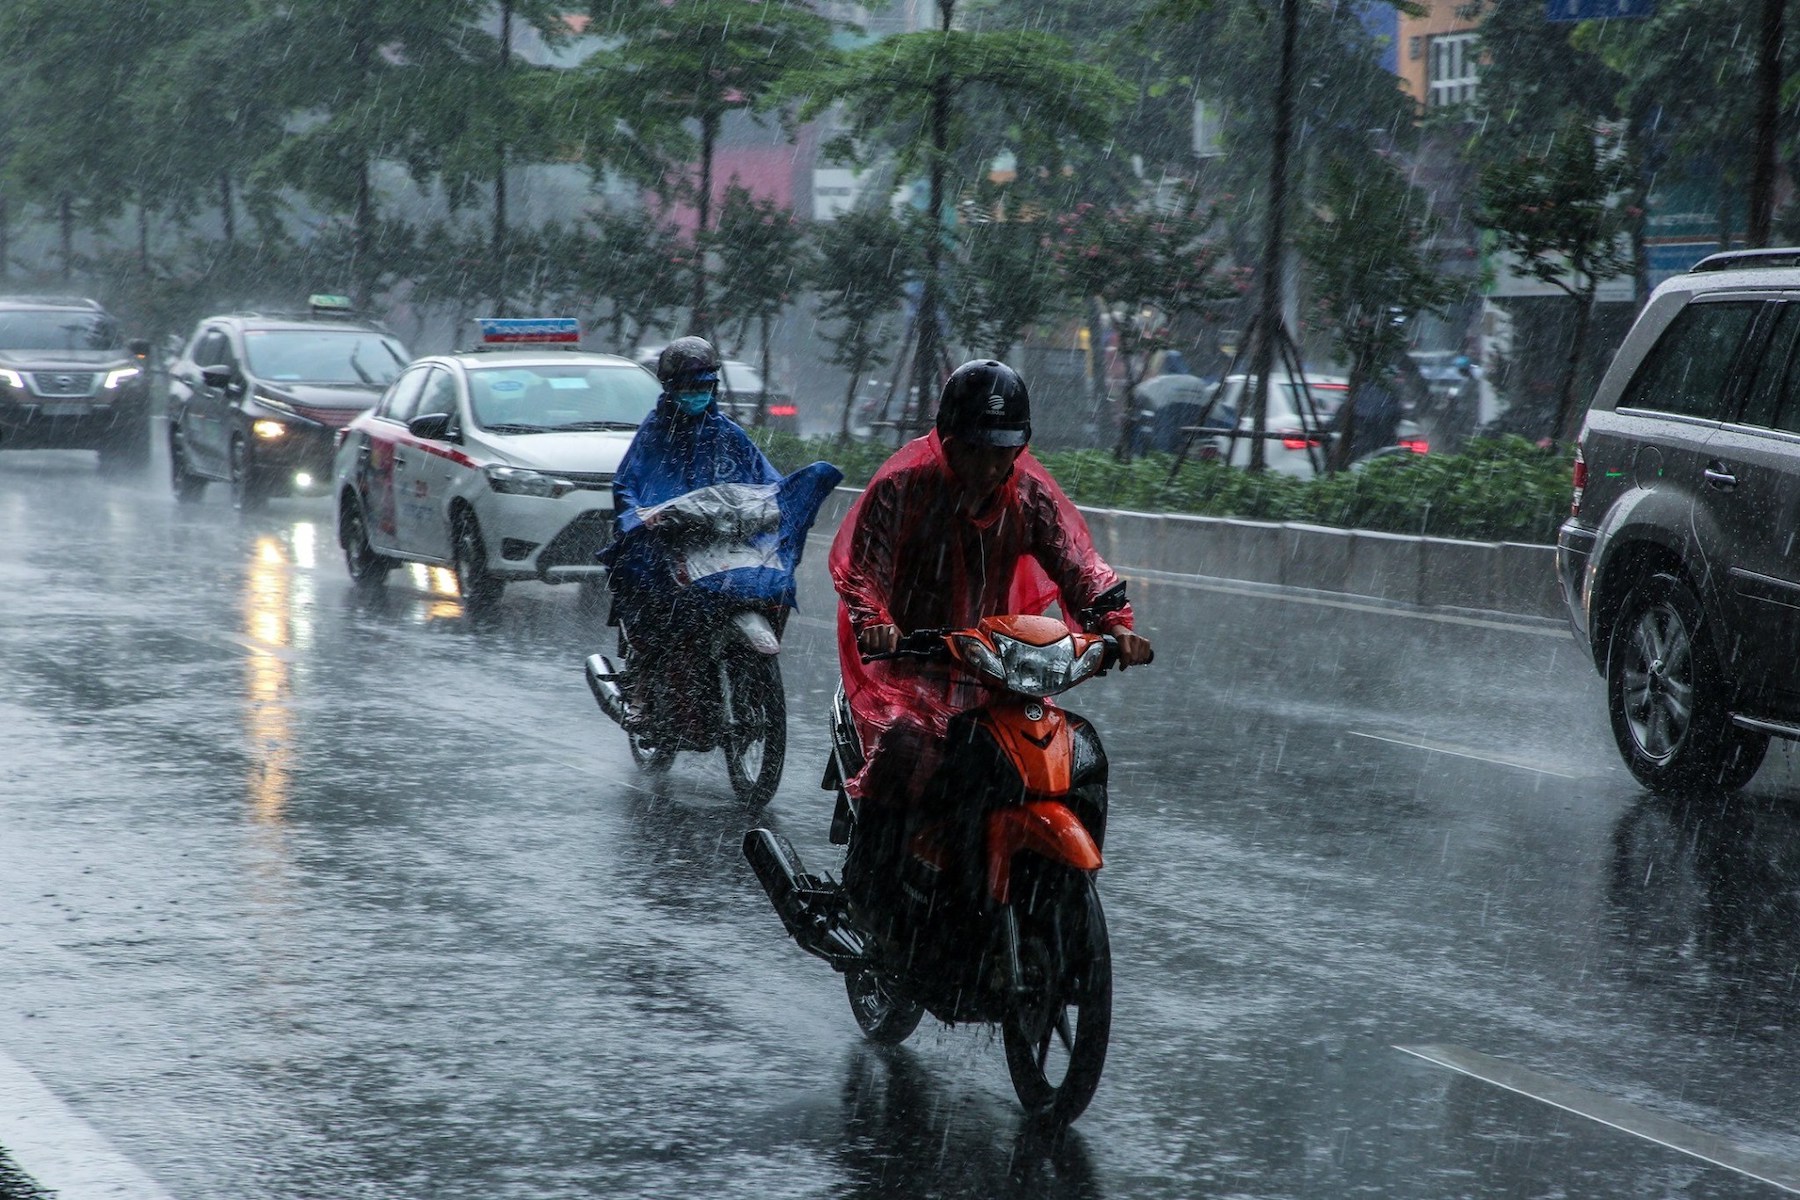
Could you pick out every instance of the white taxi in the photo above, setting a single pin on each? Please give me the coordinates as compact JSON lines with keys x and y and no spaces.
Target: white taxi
{"x":497,"y":463}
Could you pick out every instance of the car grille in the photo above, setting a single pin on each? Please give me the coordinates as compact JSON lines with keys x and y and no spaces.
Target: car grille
{"x":579,"y":541}
{"x":63,"y":383}
{"x":334,"y":418}
{"x":589,"y":481}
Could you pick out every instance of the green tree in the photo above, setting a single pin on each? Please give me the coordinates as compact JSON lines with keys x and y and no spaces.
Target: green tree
{"x":860,"y":268}
{"x":67,"y":80}
{"x":700,"y":60}
{"x":1004,"y":277}
{"x":1557,"y":210}
{"x":1146,"y":268}
{"x":372,"y":81}
{"x":637,"y":265}
{"x":924,"y":97}
{"x":1364,"y":250}
{"x":761,"y":252}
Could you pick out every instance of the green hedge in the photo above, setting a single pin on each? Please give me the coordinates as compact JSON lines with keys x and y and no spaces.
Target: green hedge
{"x":1503,"y":489}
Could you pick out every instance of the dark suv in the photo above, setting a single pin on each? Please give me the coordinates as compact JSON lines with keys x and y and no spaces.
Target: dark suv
{"x":257,"y":399}
{"x":67,"y":381}
{"x":1680,"y":560}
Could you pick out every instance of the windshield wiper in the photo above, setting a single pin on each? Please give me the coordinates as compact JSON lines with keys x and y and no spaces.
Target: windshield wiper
{"x":357,"y":366}
{"x":589,"y":426}
{"x":514,"y":427}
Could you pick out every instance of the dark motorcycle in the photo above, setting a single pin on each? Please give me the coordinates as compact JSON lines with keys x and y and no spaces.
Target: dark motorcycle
{"x":732,"y":558}
{"x":996,"y":918}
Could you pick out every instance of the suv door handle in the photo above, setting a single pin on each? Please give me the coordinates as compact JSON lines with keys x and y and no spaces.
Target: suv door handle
{"x":1718,"y":476}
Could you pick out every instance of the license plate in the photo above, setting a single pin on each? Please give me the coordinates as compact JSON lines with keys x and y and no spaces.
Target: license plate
{"x":64,"y":410}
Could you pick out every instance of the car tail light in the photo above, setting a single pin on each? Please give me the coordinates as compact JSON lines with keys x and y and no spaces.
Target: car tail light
{"x":1416,"y":445}
{"x":783,"y":410}
{"x":1579,"y":483}
{"x":1294,"y":439}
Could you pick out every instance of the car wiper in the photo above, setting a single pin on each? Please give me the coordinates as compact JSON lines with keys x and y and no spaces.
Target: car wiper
{"x":513,"y":427}
{"x":589,"y":426}
{"x":357,"y":366}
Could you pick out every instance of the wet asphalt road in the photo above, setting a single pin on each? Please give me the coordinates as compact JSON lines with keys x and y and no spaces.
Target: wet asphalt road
{"x":302,"y":896}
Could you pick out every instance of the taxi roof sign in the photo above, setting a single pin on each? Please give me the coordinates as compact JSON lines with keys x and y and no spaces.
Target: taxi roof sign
{"x":326,"y":302}
{"x":529,"y":331}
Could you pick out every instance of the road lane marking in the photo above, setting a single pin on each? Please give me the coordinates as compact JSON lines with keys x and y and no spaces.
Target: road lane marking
{"x":58,"y":1150}
{"x":1617,"y":1114}
{"x":1201,"y":583}
{"x":1499,"y":760}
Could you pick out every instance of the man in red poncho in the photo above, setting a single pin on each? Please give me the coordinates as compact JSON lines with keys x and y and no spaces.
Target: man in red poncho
{"x":960,"y":524}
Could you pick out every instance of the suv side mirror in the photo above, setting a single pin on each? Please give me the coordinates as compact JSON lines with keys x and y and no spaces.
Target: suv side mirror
{"x":218,"y":376}
{"x":431,"y":427}
{"x":139,"y":347}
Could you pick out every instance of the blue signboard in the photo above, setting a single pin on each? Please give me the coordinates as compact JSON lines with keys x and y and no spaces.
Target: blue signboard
{"x":1598,"y":10}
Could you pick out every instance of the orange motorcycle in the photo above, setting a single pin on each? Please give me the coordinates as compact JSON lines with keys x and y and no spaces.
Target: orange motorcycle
{"x":996,"y":917}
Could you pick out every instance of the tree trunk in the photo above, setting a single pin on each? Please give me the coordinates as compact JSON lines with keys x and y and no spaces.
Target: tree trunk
{"x":857,"y":366}
{"x":5,"y":238}
{"x":1337,"y":455}
{"x":709,"y":138}
{"x":1768,"y":99}
{"x":65,"y":219}
{"x":227,"y":218}
{"x":762,"y":407}
{"x":925,"y":361}
{"x":1269,"y":315}
{"x":143,"y":232}
{"x":500,"y":290}
{"x":1568,"y":412}
{"x":363,"y":238}
{"x":1122,"y":449}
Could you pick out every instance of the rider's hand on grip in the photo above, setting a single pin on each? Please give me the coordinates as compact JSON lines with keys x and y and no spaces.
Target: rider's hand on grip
{"x":1130,"y":650}
{"x":878,"y":640}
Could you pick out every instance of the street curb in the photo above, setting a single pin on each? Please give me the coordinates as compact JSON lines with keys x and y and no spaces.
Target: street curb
{"x":1516,"y":578}
{"x":57,"y":1150}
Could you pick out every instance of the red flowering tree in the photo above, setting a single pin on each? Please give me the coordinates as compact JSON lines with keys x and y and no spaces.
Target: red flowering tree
{"x":1145,"y":268}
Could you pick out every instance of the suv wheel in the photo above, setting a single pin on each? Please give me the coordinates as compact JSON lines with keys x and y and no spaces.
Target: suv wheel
{"x":1666,"y":693}
{"x":476,"y":586}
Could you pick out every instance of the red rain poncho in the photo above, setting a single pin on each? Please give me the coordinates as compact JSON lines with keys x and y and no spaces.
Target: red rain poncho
{"x":905,"y":556}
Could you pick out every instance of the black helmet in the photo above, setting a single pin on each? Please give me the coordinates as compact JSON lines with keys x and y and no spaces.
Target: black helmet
{"x":986,"y":402}
{"x":687,"y":360}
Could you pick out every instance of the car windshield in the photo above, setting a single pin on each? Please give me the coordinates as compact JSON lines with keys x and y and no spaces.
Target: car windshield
{"x":57,"y":329}
{"x":351,"y":356}
{"x":560,"y":397}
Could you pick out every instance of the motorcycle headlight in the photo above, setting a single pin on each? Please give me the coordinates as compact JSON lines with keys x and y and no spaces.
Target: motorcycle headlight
{"x":1045,"y":670}
{"x":521,"y":481}
{"x":977,"y":656}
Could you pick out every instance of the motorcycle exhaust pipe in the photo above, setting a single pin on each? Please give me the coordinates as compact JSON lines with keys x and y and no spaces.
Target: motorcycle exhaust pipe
{"x":602,"y":680}
{"x":804,"y":904}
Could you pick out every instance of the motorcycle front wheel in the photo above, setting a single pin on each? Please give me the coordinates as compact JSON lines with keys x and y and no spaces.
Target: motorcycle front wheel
{"x":1056,"y":1034}
{"x":756,"y":727}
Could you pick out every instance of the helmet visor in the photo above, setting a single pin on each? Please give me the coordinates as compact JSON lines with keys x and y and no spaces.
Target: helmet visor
{"x":993,"y":435}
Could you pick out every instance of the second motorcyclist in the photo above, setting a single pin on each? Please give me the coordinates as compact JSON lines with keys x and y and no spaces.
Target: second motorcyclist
{"x":684,"y":445}
{"x":960,"y":524}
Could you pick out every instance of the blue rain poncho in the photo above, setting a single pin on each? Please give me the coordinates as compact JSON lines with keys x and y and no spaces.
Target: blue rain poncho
{"x":674,"y":457}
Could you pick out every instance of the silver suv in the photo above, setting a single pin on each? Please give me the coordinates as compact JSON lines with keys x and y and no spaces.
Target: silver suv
{"x":1678,"y":560}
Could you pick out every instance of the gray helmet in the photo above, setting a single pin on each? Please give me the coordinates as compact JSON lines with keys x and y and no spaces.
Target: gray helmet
{"x":687,"y":360}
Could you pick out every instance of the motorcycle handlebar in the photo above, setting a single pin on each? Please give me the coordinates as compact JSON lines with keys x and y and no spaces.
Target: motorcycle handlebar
{"x":925,"y":644}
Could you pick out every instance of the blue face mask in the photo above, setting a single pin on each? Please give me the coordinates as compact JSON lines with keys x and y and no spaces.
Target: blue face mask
{"x":693,"y":403}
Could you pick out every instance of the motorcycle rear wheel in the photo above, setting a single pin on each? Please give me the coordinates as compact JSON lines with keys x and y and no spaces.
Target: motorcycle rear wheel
{"x":884,"y":1018}
{"x":756,"y":728}
{"x":1056,"y":1039}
